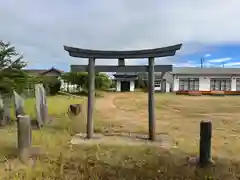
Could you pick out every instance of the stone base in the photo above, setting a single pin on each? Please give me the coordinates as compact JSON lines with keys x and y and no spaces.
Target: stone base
{"x":194,"y":161}
{"x":134,"y":139}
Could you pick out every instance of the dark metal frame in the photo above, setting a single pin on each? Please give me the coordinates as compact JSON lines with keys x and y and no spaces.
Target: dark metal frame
{"x":213,"y":82}
{"x":121,"y":56}
{"x":188,"y":81}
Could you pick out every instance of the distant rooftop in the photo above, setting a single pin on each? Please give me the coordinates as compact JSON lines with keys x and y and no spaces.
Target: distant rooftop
{"x":203,"y":71}
{"x":42,"y":71}
{"x":194,"y":70}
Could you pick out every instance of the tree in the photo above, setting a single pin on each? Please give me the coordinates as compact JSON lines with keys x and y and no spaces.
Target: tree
{"x":11,"y":75}
{"x":102,"y":80}
{"x":140,"y":83}
{"x":51,"y":84}
{"x":9,"y":58}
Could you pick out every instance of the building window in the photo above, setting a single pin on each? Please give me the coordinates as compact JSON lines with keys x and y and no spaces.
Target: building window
{"x":188,"y":84}
{"x":221,"y":84}
{"x":157,"y":83}
{"x":237,"y":84}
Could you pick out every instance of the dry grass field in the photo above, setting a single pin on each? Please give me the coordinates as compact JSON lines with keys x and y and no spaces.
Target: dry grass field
{"x":177,"y":117}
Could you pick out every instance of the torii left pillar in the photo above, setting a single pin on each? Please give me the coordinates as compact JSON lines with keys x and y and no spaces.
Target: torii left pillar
{"x":91,"y":97}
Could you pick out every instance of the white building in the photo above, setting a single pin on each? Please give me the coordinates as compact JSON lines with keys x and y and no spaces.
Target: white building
{"x":126,"y":81}
{"x":186,"y":79}
{"x":206,"y":79}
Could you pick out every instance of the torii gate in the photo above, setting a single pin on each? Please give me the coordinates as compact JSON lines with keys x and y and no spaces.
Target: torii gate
{"x":121,"y":56}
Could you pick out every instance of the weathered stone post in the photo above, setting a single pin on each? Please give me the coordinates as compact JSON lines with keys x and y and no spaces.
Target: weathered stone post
{"x":2,"y":119}
{"x":38,"y":105}
{"x":91,"y":97}
{"x":151,"y":99}
{"x":7,"y":107}
{"x":43,"y":105}
{"x":205,"y":143}
{"x":18,"y":103}
{"x":24,"y":133}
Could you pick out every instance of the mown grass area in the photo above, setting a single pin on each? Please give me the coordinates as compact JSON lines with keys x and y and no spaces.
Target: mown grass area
{"x":177,"y":116}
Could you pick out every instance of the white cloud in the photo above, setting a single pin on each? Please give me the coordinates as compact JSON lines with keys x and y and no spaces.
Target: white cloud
{"x":232,"y":64}
{"x":187,"y":64}
{"x":207,"y":55}
{"x":46,"y":26}
{"x":219,"y":60}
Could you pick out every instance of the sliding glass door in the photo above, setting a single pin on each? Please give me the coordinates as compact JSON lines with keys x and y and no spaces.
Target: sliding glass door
{"x":188,"y":84}
{"x":220,"y":84}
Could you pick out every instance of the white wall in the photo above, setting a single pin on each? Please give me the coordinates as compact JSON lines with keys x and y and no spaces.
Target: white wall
{"x":175,"y":83}
{"x":118,"y":86}
{"x":204,"y":82}
{"x":167,"y":87}
{"x":234,"y":83}
{"x":132,"y":86}
{"x":157,"y":88}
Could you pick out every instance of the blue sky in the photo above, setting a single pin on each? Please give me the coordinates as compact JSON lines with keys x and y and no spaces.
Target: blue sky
{"x":40,"y":28}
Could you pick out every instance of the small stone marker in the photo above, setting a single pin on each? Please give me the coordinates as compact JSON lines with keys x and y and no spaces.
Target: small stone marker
{"x":38,"y":104}
{"x":5,"y":105}
{"x":7,"y":108}
{"x":24,"y":133}
{"x":2,"y":120}
{"x":44,"y":108}
{"x":19,"y":104}
{"x":205,"y":143}
{"x":75,"y":109}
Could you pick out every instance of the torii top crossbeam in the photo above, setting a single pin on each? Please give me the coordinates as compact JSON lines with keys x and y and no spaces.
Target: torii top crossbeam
{"x":100,"y":54}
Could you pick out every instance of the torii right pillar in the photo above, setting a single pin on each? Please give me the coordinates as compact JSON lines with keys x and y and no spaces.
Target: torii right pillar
{"x":151,"y":100}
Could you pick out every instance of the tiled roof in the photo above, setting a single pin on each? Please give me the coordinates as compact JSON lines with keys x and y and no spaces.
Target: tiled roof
{"x":41,"y":71}
{"x":203,"y":71}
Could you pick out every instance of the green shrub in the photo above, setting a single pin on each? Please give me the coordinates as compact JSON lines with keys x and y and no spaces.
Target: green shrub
{"x":52,"y":85}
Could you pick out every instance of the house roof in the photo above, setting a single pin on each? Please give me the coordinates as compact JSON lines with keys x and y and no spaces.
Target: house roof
{"x":206,"y":71}
{"x":158,"y":75}
{"x":42,"y":71}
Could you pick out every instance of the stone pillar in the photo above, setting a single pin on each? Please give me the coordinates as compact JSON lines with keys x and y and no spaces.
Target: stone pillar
{"x":151,"y":99}
{"x":19,"y":104}
{"x":91,"y":97}
{"x":205,"y":143}
{"x":24,"y":133}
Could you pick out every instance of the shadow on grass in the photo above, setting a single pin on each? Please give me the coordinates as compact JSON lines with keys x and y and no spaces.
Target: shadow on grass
{"x":8,"y":151}
{"x":116,"y":163}
{"x":104,"y":162}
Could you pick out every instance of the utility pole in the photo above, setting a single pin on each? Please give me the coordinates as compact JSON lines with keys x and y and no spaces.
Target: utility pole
{"x":202,"y":60}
